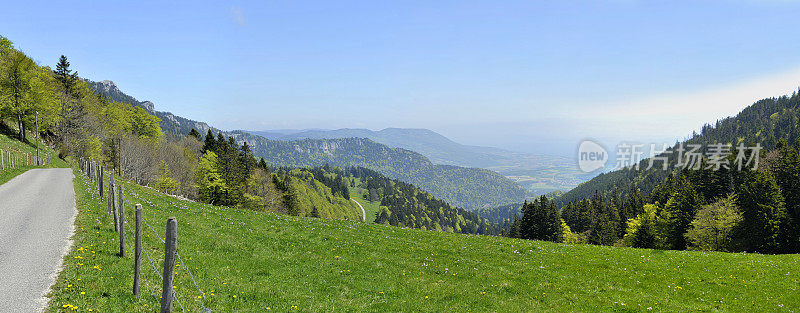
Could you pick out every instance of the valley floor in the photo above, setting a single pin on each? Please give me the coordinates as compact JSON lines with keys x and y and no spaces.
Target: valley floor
{"x":245,"y":261}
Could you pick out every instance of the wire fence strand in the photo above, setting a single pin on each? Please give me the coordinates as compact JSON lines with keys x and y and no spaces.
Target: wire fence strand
{"x":155,"y":268}
{"x":181,"y":263}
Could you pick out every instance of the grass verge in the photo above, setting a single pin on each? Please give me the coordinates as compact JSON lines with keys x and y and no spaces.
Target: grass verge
{"x":19,"y":148}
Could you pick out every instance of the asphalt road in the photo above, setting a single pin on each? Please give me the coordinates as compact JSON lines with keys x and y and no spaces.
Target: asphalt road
{"x":37,"y":211}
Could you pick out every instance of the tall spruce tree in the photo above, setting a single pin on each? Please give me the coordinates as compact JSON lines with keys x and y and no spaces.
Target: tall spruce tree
{"x":763,"y":213}
{"x":681,"y":208}
{"x":604,"y":229}
{"x":787,"y":175}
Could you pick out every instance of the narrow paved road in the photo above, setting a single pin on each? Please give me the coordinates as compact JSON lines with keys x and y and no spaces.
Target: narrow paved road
{"x":37,"y":211}
{"x":363,"y":213}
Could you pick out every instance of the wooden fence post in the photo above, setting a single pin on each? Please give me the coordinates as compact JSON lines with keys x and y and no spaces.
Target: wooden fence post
{"x":170,"y":247}
{"x":102,"y":169}
{"x":114,"y":208}
{"x":111,"y":199}
{"x":36,"y":121}
{"x":137,"y":251}
{"x":121,"y":224}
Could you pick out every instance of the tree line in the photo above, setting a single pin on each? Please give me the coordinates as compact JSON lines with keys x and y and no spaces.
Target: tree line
{"x":403,"y":204}
{"x":706,"y":209}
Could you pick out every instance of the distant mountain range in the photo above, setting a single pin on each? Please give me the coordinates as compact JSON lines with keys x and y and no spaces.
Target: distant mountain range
{"x":469,"y":188}
{"x":539,"y":174}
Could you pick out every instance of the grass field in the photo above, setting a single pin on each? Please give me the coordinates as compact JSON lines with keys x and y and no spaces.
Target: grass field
{"x":249,"y":261}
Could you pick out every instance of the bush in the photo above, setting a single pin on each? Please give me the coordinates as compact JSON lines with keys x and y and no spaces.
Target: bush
{"x":713,"y":226}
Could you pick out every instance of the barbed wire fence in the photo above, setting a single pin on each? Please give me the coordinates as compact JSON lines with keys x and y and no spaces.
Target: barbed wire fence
{"x":95,"y":172}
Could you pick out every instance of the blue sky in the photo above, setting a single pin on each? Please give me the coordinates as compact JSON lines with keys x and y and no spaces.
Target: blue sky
{"x":532,"y":76}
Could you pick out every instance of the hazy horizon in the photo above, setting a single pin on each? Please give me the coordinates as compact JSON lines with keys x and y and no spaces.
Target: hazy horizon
{"x":531,"y":77}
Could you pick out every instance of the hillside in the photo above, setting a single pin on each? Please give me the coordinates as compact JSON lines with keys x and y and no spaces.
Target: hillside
{"x":439,"y":149}
{"x":171,"y":124}
{"x":246,"y":261}
{"x":469,"y":188}
{"x":766,"y":122}
{"x":10,"y":145}
{"x":538,"y":173}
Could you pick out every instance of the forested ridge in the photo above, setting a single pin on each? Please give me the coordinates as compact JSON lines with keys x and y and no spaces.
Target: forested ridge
{"x":401,"y":204}
{"x":705,"y":207}
{"x":765,"y":121}
{"x":469,"y":188}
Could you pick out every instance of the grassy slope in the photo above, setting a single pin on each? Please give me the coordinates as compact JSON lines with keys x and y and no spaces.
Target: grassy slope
{"x":19,"y":148}
{"x":370,"y":207}
{"x":249,"y":261}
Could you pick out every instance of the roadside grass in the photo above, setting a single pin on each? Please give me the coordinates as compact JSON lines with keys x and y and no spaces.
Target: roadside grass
{"x":247,"y":261}
{"x":19,"y":148}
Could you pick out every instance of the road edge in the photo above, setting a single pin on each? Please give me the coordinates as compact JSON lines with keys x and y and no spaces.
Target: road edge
{"x":44,"y":300}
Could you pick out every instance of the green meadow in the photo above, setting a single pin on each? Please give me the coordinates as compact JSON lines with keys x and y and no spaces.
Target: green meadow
{"x":247,"y":261}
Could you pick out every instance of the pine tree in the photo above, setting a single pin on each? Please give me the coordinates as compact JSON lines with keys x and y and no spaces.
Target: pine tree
{"x":681,"y":208}
{"x":194,"y":133}
{"x":787,"y":174}
{"x":67,"y":81}
{"x":763,"y":213}
{"x":514,"y":231}
{"x":644,"y":237}
{"x":526,"y":223}
{"x":604,"y":229}
{"x":209,"y":143}
{"x":393,"y":220}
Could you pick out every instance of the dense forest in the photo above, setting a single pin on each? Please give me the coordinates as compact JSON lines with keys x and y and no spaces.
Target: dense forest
{"x":503,"y":214}
{"x":765,"y":122}
{"x":470,"y":188}
{"x":712,"y":205}
{"x":404,"y":204}
{"x":401,"y":204}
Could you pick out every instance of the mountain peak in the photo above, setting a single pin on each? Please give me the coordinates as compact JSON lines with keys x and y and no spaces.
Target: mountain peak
{"x":108,"y":86}
{"x":147,"y":105}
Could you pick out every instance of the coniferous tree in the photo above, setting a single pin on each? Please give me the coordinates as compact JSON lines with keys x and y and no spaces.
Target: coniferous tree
{"x":514,"y":230}
{"x":787,"y":175}
{"x":681,"y":208}
{"x":194,"y":133}
{"x":70,"y":111}
{"x":209,"y":143}
{"x":644,"y":237}
{"x":604,"y":229}
{"x":763,"y":213}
